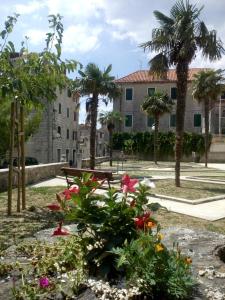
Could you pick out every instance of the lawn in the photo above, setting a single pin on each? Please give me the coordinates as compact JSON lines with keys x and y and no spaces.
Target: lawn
{"x":189,"y":189}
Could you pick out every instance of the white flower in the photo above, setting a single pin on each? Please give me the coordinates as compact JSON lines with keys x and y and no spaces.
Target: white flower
{"x":119,"y":197}
{"x":148,"y":183}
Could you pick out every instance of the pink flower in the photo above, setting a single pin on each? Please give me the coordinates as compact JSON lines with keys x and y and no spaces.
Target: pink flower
{"x":72,"y":190}
{"x":128,"y":184}
{"x":44,"y":282}
{"x":59,"y":231}
{"x":54,"y":206}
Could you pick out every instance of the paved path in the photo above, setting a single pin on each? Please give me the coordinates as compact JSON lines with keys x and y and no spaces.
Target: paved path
{"x":211,"y":211}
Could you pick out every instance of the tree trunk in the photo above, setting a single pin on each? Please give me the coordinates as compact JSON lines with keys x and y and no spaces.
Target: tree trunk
{"x":182,"y":76}
{"x":156,"y":139}
{"x":110,"y":146}
{"x":206,"y":104}
{"x":94,"y":112}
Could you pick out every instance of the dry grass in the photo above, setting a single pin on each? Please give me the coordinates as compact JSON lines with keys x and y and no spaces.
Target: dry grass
{"x":189,"y":189}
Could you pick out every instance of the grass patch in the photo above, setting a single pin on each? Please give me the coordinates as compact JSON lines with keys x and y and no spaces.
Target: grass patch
{"x":189,"y":189}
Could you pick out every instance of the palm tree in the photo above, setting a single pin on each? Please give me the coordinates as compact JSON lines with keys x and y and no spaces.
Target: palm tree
{"x":177,"y":41}
{"x":207,"y":87}
{"x":157,"y":105}
{"x":98,"y":84}
{"x":109,"y":118}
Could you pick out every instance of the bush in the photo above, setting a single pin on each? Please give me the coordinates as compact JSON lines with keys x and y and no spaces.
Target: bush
{"x":143,"y":143}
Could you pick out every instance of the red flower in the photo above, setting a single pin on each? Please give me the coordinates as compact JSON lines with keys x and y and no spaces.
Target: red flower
{"x":59,"y":231}
{"x":44,"y":282}
{"x":142,"y":221}
{"x":128,"y":184}
{"x":72,"y":190}
{"x":54,"y":206}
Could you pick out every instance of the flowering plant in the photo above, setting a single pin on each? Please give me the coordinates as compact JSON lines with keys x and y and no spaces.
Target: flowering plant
{"x":106,"y":221}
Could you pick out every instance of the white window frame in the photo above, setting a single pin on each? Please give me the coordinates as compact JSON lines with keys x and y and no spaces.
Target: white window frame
{"x":127,"y":114}
{"x":132,"y":93}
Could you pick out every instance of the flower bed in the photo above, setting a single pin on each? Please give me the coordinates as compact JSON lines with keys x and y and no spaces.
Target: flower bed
{"x":117,"y":238}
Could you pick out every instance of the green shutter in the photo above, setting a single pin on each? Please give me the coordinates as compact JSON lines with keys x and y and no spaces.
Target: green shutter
{"x":150,"y":121}
{"x":128,"y":120}
{"x":174,"y":93}
{"x":129,"y":94}
{"x":151,"y":91}
{"x":173,"y":120}
{"x":197,"y":120}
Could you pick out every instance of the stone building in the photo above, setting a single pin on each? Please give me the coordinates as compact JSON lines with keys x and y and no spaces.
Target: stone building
{"x":56,"y":138}
{"x":137,"y":85}
{"x":84,"y":141}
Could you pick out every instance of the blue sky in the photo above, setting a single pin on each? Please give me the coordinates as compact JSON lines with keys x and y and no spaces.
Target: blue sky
{"x":104,"y":31}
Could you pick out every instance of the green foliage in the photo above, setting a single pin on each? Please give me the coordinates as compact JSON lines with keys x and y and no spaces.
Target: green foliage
{"x":143,"y":143}
{"x":156,"y":271}
{"x":104,"y":222}
{"x":157,"y":104}
{"x":63,"y":258}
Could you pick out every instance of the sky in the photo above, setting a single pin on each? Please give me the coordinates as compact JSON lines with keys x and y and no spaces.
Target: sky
{"x":104,"y":31}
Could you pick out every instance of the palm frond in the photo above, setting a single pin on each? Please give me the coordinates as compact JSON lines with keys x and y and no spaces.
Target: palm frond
{"x":159,"y":64}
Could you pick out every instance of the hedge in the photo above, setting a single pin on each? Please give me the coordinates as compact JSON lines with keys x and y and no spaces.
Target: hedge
{"x":144,"y":143}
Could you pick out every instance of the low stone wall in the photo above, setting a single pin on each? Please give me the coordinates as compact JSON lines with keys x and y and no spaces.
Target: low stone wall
{"x":33,"y":174}
{"x":98,"y":160}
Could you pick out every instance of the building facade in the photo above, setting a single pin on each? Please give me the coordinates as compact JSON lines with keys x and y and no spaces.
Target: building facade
{"x":56,"y":138}
{"x":136,"y":86}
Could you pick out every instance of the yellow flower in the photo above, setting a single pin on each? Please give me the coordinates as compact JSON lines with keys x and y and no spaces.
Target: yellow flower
{"x":159,"y":247}
{"x":150,"y":224}
{"x":160,"y":236}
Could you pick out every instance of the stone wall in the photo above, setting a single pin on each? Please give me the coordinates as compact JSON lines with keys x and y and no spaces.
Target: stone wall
{"x":34,"y":174}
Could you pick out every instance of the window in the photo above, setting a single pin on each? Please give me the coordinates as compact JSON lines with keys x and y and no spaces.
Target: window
{"x":74,"y":135}
{"x":150,"y":121}
{"x":67,"y":134}
{"x":151,"y":91}
{"x":59,"y":130}
{"x":67,"y":154}
{"x":128,"y":121}
{"x":173,"y":93}
{"x":68,"y":112}
{"x":129,"y":94}
{"x":223,"y":96}
{"x":197,"y":120}
{"x":173,"y":120}
{"x":58,"y":155}
{"x":74,"y":116}
{"x":60,"y":108}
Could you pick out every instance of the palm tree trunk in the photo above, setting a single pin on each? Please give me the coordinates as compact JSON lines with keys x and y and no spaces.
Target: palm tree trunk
{"x":156,"y":139}
{"x":182,"y":76}
{"x":94,"y":112}
{"x":206,"y":131}
{"x":110,"y":147}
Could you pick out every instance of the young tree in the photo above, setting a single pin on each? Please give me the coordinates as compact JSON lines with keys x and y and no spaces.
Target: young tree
{"x":157,"y":105}
{"x":28,"y":78}
{"x":207,"y":87}
{"x":109,"y":118}
{"x":96,"y":83}
{"x":179,"y":37}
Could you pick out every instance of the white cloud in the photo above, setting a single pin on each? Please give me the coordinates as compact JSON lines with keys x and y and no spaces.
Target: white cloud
{"x":81,"y":38}
{"x":36,"y":36}
{"x":28,"y":8}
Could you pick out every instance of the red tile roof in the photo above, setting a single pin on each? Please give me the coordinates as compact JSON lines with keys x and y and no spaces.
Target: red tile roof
{"x":144,"y":76}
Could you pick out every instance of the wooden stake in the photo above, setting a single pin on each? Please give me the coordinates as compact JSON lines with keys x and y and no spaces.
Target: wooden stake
{"x":11,"y":148}
{"x":22,"y":145}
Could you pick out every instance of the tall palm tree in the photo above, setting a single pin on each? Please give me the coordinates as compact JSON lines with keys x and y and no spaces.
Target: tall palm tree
{"x":96,"y":83}
{"x":207,"y":87}
{"x":177,"y":41}
{"x":109,"y":118}
{"x":157,"y":105}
